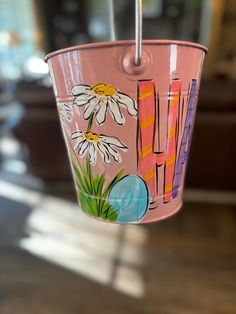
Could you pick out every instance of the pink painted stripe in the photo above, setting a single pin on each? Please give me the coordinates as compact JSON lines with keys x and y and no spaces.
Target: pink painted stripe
{"x":174,"y":100}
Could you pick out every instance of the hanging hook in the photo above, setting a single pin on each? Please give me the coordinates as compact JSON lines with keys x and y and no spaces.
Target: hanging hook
{"x":138,"y":31}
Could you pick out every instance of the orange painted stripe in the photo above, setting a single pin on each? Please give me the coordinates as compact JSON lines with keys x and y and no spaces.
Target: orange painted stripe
{"x":168,"y":187}
{"x":149,"y":174}
{"x":146,"y":92}
{"x":174,"y":99}
{"x":146,"y":150}
{"x":172,"y":132}
{"x":146,"y":122}
{"x":170,"y":160}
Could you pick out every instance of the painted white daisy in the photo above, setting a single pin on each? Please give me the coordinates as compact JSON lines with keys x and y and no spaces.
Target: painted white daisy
{"x":90,"y":143}
{"x":64,"y":111}
{"x":101,"y":98}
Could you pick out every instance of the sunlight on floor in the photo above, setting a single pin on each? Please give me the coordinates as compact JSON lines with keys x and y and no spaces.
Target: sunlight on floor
{"x":60,"y":233}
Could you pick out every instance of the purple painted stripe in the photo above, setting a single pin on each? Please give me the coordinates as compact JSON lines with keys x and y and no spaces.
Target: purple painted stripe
{"x":193,"y":112}
{"x":183,"y":152}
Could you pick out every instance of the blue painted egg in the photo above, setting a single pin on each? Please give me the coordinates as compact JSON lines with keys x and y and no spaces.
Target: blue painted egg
{"x":130,"y":198}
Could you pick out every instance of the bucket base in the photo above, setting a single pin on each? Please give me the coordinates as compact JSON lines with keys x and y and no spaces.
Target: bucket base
{"x":163,"y":211}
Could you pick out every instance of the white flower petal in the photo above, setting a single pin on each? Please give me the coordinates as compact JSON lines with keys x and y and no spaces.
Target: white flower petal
{"x":115,"y":111}
{"x":113,"y":141}
{"x":101,"y":113}
{"x":104,"y":152}
{"x":83,"y":148}
{"x":63,"y":106}
{"x":76,"y":134}
{"x":128,"y":102}
{"x":64,"y":111}
{"x":78,"y":142}
{"x":65,"y":116}
{"x":90,"y":107}
{"x":81,"y":101}
{"x":113,"y":153}
{"x":80,"y":89}
{"x":92,"y":153}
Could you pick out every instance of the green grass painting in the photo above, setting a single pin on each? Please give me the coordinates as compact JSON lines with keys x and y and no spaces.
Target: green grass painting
{"x":93,"y":191}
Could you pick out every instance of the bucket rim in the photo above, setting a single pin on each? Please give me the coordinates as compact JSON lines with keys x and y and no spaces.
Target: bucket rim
{"x":146,"y":42}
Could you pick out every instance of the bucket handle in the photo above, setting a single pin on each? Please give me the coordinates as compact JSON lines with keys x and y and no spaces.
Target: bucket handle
{"x":138,"y":31}
{"x":138,"y":28}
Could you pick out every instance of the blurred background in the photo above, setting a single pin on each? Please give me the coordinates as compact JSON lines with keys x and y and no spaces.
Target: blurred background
{"x":53,"y":259}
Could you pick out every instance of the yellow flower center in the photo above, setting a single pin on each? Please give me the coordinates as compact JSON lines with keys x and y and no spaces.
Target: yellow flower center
{"x":90,"y":136}
{"x":104,"y":89}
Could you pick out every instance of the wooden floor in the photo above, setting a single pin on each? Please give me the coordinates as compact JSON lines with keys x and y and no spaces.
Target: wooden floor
{"x":55,"y":260}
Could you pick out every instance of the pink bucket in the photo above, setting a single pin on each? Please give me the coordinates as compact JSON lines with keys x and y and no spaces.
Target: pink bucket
{"x":128,"y":128}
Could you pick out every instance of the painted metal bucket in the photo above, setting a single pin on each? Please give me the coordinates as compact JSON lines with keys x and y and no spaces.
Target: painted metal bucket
{"x":128,"y":128}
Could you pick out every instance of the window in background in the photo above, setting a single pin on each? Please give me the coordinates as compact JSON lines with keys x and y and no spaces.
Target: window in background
{"x":17,"y":36}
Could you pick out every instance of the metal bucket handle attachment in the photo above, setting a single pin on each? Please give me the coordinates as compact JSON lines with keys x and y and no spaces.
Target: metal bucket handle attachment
{"x":138,"y":28}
